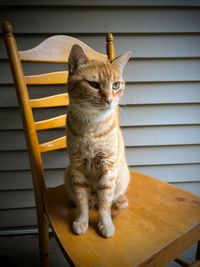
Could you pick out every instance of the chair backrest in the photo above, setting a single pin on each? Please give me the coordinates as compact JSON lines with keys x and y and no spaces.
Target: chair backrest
{"x":53,"y":49}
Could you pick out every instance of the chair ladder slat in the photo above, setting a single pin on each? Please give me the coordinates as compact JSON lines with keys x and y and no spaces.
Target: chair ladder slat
{"x":59,"y":77}
{"x":50,"y":101}
{"x":55,"y":144}
{"x":56,"y":122}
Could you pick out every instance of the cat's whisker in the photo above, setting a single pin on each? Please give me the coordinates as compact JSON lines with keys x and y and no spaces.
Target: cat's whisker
{"x":123,"y":111}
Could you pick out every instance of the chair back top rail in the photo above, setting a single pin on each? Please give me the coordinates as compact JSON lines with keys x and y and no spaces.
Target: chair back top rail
{"x":57,"y":49}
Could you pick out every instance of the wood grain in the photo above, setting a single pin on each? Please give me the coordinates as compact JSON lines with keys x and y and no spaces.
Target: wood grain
{"x":57,"y":49}
{"x":59,"y":77}
{"x":50,"y":101}
{"x":55,"y":144}
{"x":55,"y":122}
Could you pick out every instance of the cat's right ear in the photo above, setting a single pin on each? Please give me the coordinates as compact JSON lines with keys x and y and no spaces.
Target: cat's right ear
{"x":122,"y":60}
{"x":77,"y":58}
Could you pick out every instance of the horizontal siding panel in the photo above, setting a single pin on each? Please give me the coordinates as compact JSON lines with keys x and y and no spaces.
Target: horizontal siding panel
{"x":142,"y":46}
{"x":164,"y":135}
{"x":8,"y":96}
{"x":132,"y":115}
{"x":163,"y":155}
{"x":135,"y":93}
{"x":172,"y":173}
{"x":162,"y":70}
{"x":12,"y":140}
{"x":150,"y":46}
{"x":136,"y":71}
{"x":102,"y":3}
{"x":17,"y":199}
{"x":126,"y":20}
{"x":18,"y":218}
{"x":133,"y":136}
{"x":161,"y":93}
{"x":18,"y":160}
{"x":160,"y":115}
{"x":191,"y":187}
{"x":16,"y":180}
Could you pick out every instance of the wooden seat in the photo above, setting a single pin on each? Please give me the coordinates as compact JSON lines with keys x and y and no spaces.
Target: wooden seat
{"x":151,"y":232}
{"x":161,"y":221}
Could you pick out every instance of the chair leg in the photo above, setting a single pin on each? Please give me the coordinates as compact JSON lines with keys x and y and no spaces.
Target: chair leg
{"x":43,"y":231}
{"x":198,"y":251}
{"x":182,"y":262}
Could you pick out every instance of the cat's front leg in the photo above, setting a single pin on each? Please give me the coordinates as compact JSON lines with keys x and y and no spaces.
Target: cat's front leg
{"x":106,"y":189}
{"x":80,"y":190}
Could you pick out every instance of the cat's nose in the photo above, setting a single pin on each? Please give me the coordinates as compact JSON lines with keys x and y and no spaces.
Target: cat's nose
{"x":109,"y":101}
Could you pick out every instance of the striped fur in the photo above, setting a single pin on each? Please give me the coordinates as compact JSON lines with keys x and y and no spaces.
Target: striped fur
{"x":98,"y":174}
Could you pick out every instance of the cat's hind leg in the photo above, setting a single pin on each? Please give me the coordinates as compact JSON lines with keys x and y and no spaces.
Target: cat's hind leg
{"x":120,"y":203}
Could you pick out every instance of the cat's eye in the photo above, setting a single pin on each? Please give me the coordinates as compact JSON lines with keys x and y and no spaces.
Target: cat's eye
{"x":116,"y":85}
{"x":95,"y":85}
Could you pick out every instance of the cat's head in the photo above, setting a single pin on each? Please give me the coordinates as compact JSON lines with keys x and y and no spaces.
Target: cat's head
{"x":95,"y":84}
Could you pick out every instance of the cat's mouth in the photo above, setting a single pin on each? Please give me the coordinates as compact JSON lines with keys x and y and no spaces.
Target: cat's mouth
{"x":110,"y":104}
{"x":105,"y":106}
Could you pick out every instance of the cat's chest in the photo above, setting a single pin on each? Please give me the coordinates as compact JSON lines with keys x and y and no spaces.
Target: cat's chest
{"x":92,"y":172}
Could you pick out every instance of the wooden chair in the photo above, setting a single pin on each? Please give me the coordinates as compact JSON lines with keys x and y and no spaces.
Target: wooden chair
{"x":161,"y":222}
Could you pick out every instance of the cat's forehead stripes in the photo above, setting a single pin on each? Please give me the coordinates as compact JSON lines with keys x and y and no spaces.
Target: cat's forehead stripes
{"x":102,"y":72}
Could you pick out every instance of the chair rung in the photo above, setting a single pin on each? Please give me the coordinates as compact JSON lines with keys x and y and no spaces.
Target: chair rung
{"x":50,"y":101}
{"x":56,"y":122}
{"x":55,"y":144}
{"x":59,"y":77}
{"x":182,"y":262}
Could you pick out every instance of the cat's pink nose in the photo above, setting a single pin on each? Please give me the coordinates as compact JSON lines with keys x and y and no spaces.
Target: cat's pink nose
{"x":109,"y":101}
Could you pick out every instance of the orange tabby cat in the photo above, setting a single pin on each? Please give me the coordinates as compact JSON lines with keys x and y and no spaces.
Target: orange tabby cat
{"x":98,"y":174}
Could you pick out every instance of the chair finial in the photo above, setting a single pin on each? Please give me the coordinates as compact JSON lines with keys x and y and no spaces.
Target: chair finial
{"x":7,"y":27}
{"x":110,"y":46}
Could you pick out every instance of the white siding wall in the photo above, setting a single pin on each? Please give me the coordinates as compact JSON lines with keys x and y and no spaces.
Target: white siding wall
{"x":160,"y":114}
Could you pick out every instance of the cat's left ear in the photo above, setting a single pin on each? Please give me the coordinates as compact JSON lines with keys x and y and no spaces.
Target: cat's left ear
{"x":122,"y":60}
{"x":77,"y":58}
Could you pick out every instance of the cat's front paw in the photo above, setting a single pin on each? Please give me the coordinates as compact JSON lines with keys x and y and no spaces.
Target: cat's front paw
{"x":80,"y":227}
{"x":106,"y":230}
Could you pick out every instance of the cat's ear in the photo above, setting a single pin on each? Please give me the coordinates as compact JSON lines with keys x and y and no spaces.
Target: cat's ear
{"x":77,"y":58}
{"x":121,"y":61}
